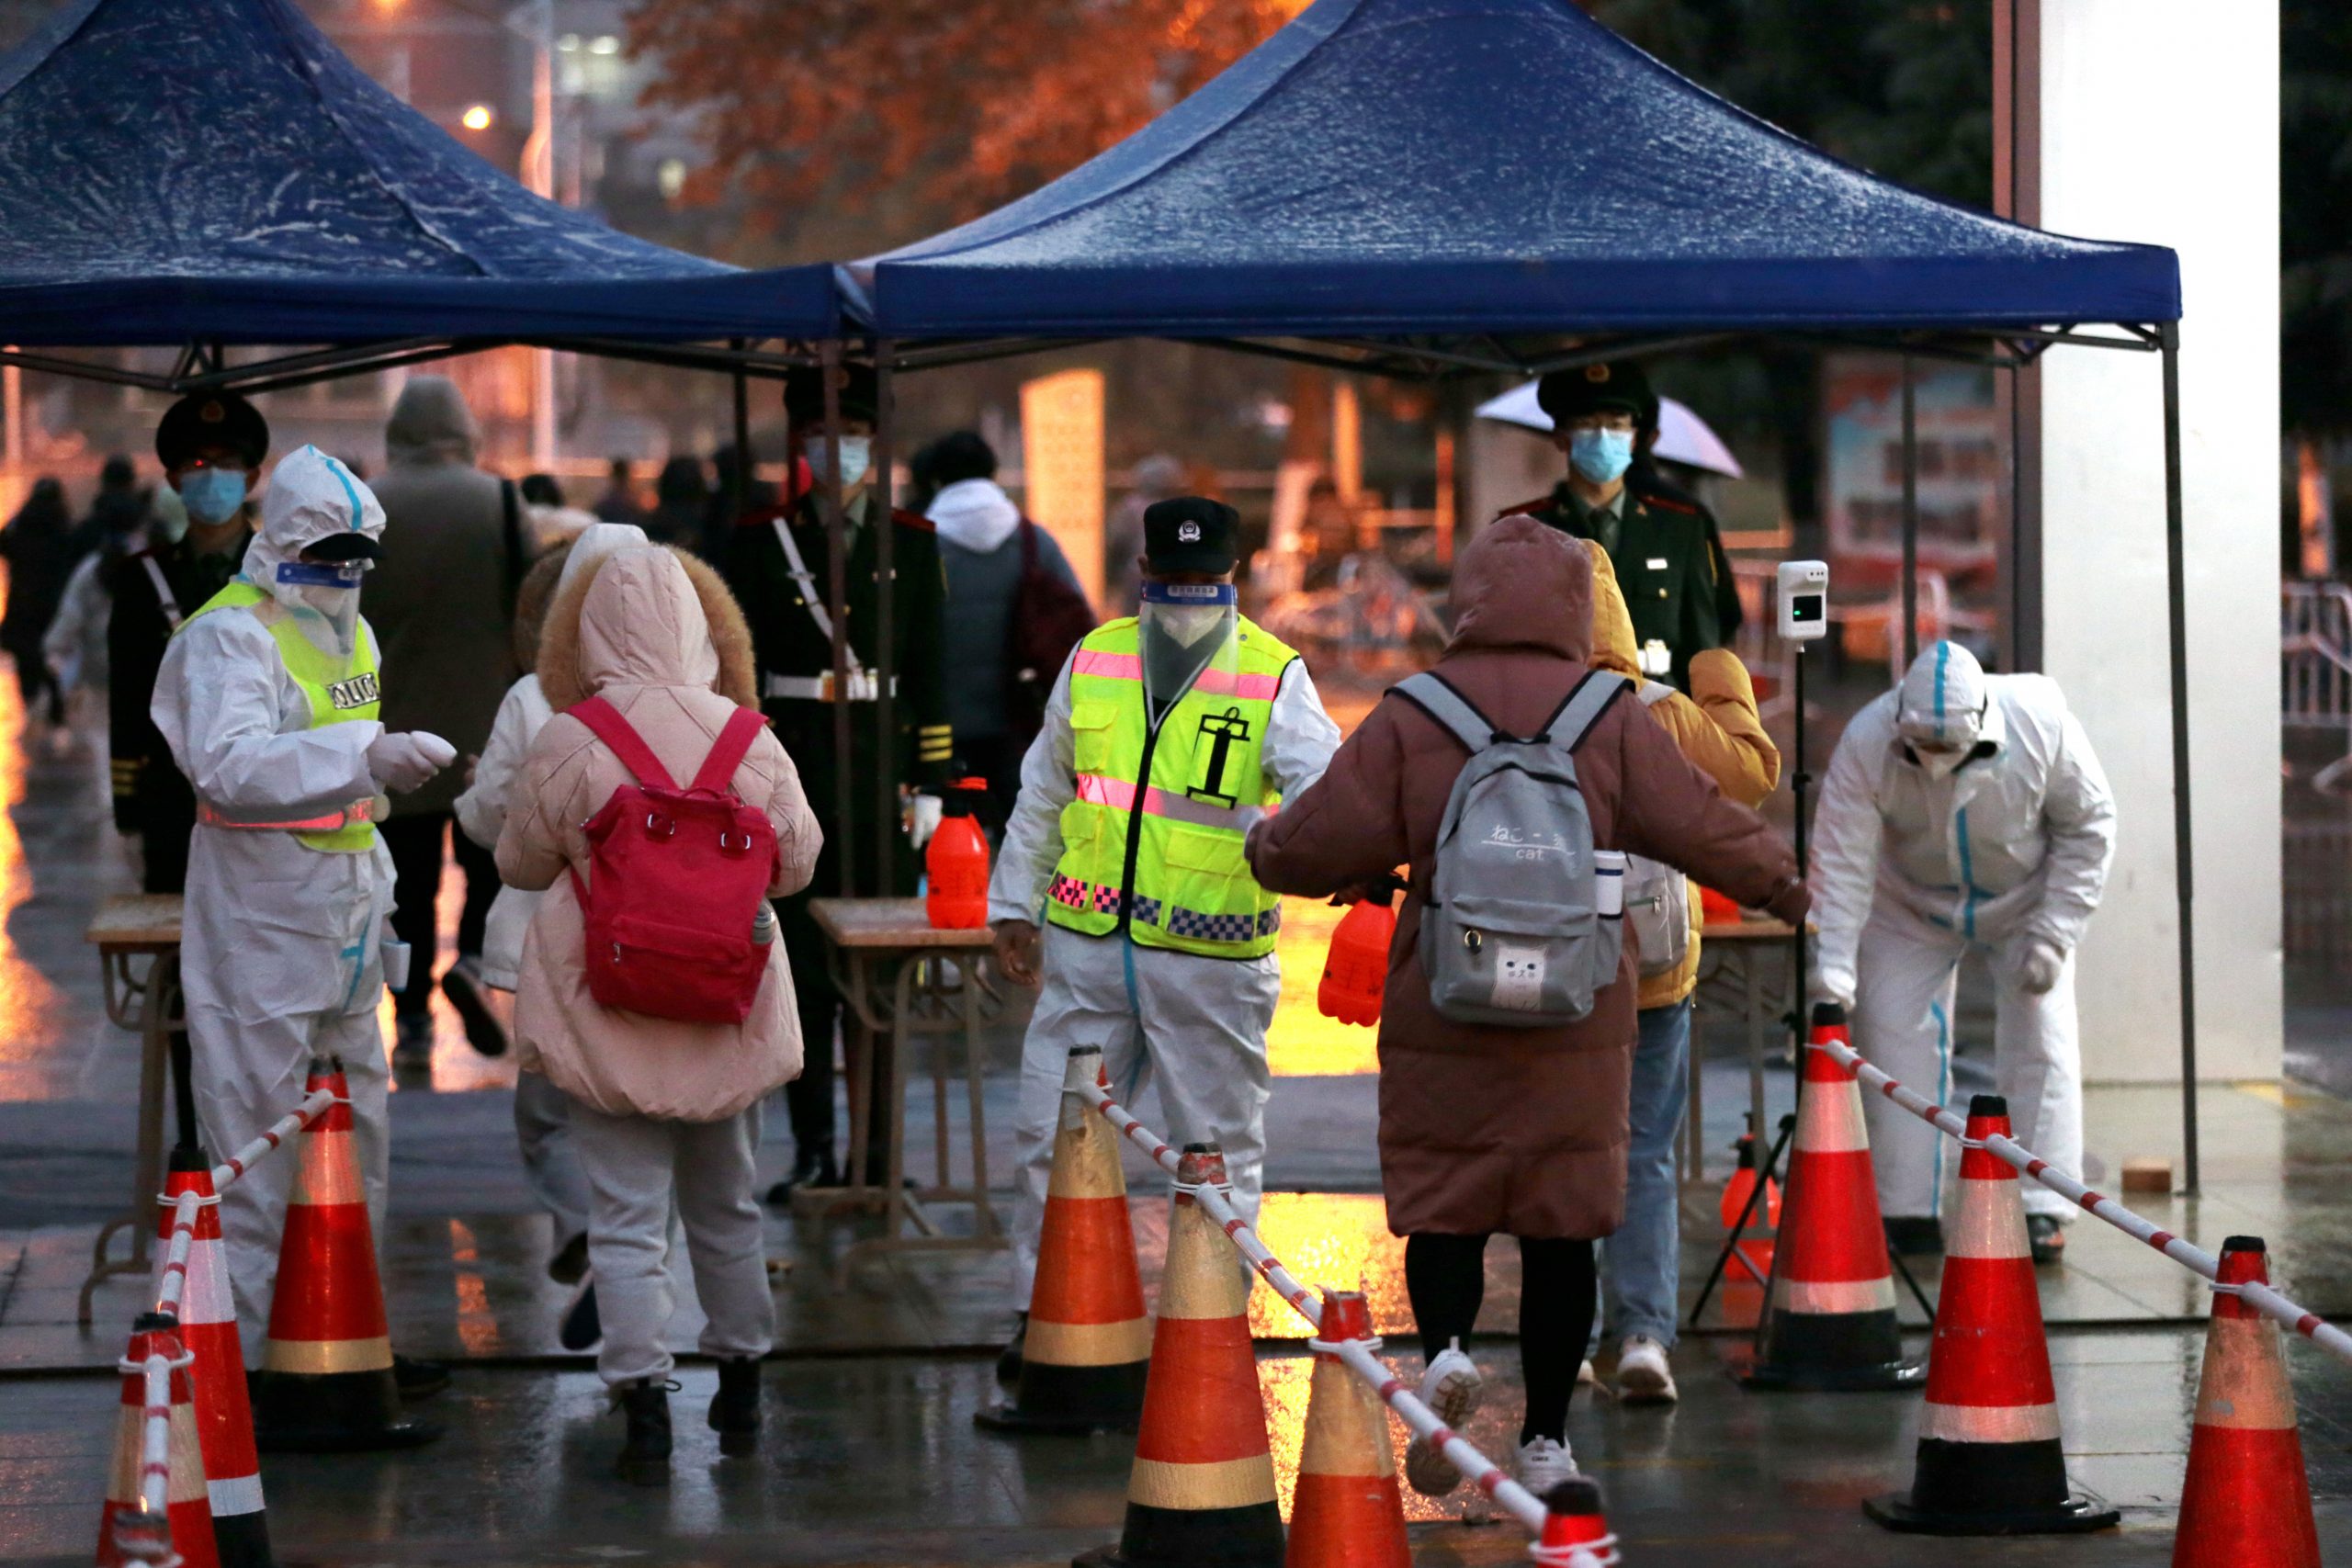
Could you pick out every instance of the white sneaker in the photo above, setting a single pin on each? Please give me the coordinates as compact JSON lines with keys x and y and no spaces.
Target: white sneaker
{"x":1643,"y":1375}
{"x":1453,"y":1387}
{"x":1543,"y":1464}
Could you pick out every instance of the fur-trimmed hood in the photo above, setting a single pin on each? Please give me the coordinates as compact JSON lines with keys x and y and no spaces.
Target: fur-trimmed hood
{"x":568,"y":676}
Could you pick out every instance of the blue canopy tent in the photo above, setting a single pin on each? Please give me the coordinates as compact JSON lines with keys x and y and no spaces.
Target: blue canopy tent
{"x":1438,"y":188}
{"x":195,"y":174}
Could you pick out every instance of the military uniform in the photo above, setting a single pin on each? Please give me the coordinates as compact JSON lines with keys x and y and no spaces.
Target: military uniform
{"x":1668,"y":560}
{"x":795,"y":664}
{"x":151,"y":797}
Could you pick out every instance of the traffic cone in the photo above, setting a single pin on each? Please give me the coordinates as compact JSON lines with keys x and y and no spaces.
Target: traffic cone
{"x":326,"y":1383}
{"x":1089,"y":1343}
{"x":1989,"y":1460}
{"x":1576,"y":1532}
{"x":186,"y":1516}
{"x":225,"y":1419}
{"x":1829,"y":1324}
{"x":1202,"y":1492}
{"x":1347,"y":1512}
{"x":2247,"y":1503}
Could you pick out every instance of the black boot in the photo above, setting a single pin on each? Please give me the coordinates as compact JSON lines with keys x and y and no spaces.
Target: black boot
{"x":645,"y":1451}
{"x":812,"y":1166}
{"x":735,"y":1408}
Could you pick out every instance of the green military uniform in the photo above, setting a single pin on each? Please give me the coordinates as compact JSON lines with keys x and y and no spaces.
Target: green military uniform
{"x":1669,"y":562}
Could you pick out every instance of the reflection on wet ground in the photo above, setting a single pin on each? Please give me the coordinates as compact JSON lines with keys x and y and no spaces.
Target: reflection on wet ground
{"x":872,"y":1458}
{"x":872,"y":1462}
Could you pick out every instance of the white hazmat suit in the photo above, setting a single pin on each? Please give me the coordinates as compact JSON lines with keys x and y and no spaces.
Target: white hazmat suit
{"x":1961,"y":810}
{"x":281,"y":956}
{"x":1196,"y":1024}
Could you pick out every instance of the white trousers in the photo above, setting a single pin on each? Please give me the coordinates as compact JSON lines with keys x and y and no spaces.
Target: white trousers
{"x":248,"y":1075}
{"x":1196,"y":1026}
{"x":636,"y":1165}
{"x":1903,"y":1023}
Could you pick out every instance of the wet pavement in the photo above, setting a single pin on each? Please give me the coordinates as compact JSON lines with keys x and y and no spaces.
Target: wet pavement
{"x":871,"y":1457}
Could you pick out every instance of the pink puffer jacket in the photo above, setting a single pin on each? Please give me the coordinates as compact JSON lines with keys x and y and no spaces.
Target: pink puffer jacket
{"x":645,"y":644}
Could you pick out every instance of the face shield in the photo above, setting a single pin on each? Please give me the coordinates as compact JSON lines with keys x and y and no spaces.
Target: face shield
{"x":1181,"y":627}
{"x":1940,"y":710}
{"x":319,"y":531}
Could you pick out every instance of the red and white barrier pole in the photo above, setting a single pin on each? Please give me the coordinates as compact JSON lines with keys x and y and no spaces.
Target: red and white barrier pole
{"x":314,"y":1106}
{"x":2269,"y":1303}
{"x":1476,"y":1467}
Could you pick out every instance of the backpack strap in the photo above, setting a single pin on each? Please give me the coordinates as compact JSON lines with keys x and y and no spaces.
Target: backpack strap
{"x":1430,"y":693}
{"x":727,"y":752}
{"x":1583,"y":708}
{"x":605,"y":722}
{"x":1654,"y":693}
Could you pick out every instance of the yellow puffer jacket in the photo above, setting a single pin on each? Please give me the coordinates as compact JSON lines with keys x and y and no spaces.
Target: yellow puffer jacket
{"x":1715,"y":725}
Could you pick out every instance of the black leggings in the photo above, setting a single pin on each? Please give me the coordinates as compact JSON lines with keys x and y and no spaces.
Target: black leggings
{"x":1447,"y":1277}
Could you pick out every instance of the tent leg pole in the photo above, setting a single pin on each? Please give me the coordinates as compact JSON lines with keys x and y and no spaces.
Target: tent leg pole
{"x":837,"y":591}
{"x":886,"y":773}
{"x":1910,"y":517}
{"x":2184,"y":852}
{"x":739,"y":482}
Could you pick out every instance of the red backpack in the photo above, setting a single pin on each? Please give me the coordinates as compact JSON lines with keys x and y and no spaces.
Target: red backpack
{"x":676,"y":878}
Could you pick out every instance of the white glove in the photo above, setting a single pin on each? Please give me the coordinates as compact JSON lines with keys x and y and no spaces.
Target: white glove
{"x":403,"y":761}
{"x":1827,"y":987}
{"x":922,"y":819}
{"x":2037,"y":970}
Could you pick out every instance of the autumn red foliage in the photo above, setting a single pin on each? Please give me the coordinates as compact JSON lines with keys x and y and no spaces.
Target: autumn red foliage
{"x":959,"y":104}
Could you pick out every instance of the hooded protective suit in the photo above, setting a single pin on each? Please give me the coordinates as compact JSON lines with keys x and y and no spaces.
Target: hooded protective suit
{"x":266,"y":698}
{"x":2000,"y":841}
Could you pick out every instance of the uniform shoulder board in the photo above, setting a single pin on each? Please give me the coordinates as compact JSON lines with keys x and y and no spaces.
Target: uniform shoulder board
{"x":915,"y":520}
{"x":1671,"y":503}
{"x":764,"y":516}
{"x":1527,"y":508}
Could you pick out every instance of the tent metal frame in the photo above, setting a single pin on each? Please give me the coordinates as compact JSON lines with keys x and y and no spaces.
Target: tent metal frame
{"x":1446,"y":358}
{"x":205,"y":367}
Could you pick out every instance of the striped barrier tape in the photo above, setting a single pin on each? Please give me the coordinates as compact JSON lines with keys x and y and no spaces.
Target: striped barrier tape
{"x":1476,"y":1468}
{"x":286,"y":1126}
{"x":2271,"y":1305}
{"x":172,"y":1281}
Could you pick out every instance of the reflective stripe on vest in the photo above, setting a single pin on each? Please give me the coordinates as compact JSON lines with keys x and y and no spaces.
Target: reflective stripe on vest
{"x":1192,"y":891}
{"x":339,"y":690}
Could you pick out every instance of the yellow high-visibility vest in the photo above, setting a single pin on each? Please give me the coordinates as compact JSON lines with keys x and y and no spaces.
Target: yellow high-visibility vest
{"x":340,"y":691}
{"x":1154,"y":837}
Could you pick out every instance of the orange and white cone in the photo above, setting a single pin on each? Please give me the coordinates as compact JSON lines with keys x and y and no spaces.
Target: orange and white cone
{"x":1202,"y":1491}
{"x":225,"y":1419}
{"x":1089,"y":1342}
{"x":1989,"y":1461}
{"x":1829,"y":1323}
{"x":326,"y":1383}
{"x":1347,"y":1512}
{"x":187,"y":1517}
{"x":1576,"y":1532}
{"x":2247,"y":1501}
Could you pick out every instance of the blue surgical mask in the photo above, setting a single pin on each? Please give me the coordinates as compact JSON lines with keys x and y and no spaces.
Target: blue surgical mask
{"x":858,"y":455}
{"x":1601,"y":456}
{"x":212,"y":495}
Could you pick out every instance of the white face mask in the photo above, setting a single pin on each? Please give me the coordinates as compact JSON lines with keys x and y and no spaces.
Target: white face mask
{"x":1939,"y":763}
{"x":858,"y":455}
{"x":1185,"y":626}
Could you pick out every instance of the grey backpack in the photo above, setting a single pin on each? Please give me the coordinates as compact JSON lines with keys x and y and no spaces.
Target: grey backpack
{"x":1657,"y":896}
{"x":1511,"y":930}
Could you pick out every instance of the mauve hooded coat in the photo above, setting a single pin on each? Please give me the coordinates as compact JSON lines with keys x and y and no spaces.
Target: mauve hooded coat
{"x":1484,"y":1128}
